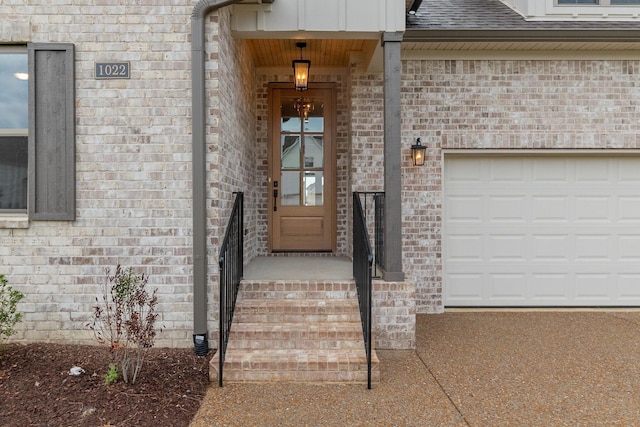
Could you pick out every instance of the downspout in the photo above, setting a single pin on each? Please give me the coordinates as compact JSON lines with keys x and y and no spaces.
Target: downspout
{"x":199,"y":167}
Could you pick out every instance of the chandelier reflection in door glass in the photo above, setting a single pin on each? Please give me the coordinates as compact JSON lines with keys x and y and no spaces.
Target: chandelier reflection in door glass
{"x":304,"y":106}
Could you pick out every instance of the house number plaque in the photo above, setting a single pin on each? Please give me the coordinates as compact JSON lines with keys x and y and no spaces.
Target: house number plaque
{"x":112,"y":70}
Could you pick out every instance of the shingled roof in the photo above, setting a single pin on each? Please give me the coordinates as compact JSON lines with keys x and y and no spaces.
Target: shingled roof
{"x":461,"y":19}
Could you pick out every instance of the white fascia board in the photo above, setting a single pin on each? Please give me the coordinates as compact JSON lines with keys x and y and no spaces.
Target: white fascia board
{"x":343,"y":16}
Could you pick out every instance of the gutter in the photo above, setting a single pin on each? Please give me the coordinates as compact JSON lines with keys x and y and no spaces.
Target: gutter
{"x":199,"y":167}
{"x":538,"y":35}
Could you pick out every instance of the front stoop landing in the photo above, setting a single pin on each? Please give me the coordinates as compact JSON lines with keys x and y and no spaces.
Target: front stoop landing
{"x":297,"y":331}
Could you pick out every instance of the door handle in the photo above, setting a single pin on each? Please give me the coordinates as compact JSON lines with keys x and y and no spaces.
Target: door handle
{"x":275,"y":196}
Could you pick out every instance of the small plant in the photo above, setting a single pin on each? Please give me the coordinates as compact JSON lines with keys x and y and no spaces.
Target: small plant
{"x":125,"y":320}
{"x":112,"y":374}
{"x":9,"y":315}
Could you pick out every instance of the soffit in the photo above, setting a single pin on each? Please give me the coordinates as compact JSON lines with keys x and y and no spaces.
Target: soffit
{"x":321,"y":52}
{"x":520,"y":46}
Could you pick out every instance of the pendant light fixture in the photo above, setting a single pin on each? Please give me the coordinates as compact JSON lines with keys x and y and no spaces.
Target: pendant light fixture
{"x":301,"y":69}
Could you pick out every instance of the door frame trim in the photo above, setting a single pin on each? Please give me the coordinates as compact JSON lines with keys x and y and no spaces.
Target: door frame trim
{"x":334,"y":158}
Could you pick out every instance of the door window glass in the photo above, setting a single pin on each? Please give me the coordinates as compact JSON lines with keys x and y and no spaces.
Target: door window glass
{"x":313,"y":188}
{"x":313,"y":123}
{"x":313,"y":151}
{"x":290,"y":193}
{"x":301,"y":152}
{"x":290,"y":152}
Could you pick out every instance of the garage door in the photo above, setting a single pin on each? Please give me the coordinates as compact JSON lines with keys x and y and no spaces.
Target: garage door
{"x":541,"y":230}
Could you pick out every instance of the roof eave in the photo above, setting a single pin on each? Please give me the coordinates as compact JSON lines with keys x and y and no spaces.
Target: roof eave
{"x":555,"y":35}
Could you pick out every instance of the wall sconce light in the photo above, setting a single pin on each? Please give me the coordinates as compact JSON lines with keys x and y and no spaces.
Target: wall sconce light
{"x":418,"y":152}
{"x":301,"y":69}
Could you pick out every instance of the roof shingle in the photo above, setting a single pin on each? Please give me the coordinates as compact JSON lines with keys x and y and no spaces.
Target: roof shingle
{"x":490,"y":15}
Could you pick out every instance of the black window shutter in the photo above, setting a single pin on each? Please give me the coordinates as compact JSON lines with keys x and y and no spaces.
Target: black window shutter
{"x":51,"y":132}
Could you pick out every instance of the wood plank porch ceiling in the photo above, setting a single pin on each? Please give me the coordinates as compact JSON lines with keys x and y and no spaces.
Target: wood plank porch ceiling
{"x":321,"y":52}
{"x":338,"y":53}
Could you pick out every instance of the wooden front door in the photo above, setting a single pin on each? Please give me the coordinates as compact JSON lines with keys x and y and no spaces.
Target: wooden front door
{"x":302,"y":158}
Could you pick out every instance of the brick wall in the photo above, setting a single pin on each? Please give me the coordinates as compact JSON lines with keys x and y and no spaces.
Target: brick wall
{"x":367,"y":131}
{"x":501,"y":104}
{"x":134,"y":165}
{"x":394,"y":314}
{"x":394,"y":305}
{"x":133,"y":153}
{"x":232,"y":148}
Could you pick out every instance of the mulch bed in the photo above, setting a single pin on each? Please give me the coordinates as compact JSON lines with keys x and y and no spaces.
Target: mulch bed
{"x":37,"y":390}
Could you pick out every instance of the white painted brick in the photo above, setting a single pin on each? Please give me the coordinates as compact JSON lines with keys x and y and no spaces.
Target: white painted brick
{"x":15,"y":29}
{"x":59,"y":265}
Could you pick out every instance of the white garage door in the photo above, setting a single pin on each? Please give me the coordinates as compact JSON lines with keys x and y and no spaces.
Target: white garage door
{"x":541,"y":230}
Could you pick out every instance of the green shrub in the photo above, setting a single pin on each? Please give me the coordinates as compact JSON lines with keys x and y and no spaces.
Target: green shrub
{"x":112,"y":374}
{"x":9,"y":315}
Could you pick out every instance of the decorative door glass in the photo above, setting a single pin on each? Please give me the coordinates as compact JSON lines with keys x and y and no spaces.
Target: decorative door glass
{"x":302,"y":152}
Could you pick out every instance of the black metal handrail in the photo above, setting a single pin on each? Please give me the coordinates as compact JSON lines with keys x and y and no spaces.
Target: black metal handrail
{"x":362,"y":266}
{"x":230,"y":262}
{"x":374,"y":219}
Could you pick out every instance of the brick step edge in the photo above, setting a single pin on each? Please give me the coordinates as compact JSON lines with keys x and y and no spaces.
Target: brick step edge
{"x":280,"y":358}
{"x":293,"y":318}
{"x":244,"y":307}
{"x":252,"y":365}
{"x":324,"y":377}
{"x":282,"y":365}
{"x":304,"y":330}
{"x":244,"y":302}
{"x":320,"y":285}
{"x":298,"y":344}
{"x":266,"y":295}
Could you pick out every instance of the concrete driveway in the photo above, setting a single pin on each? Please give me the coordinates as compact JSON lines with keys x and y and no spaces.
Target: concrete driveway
{"x":545,"y":368}
{"x":536,"y":368}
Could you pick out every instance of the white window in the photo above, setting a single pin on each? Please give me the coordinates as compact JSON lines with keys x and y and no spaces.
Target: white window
{"x":14,"y":125}
{"x":597,"y":2}
{"x":561,"y":2}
